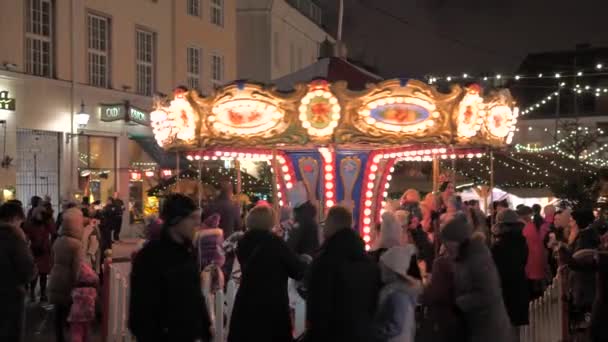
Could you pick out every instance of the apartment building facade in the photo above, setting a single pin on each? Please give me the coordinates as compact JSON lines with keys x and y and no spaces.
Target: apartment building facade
{"x":276,"y":38}
{"x":107,"y":59}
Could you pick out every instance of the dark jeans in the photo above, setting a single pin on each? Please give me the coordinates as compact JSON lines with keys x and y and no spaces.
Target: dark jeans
{"x":61,"y":321}
{"x":12,"y":317}
{"x":116,"y":229}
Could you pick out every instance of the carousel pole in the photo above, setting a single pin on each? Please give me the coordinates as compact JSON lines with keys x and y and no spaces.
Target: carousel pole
{"x":492,"y":217}
{"x":275,"y":196}
{"x":177,"y":170}
{"x":436,"y":171}
{"x":200,"y":185}
{"x":237,"y":166}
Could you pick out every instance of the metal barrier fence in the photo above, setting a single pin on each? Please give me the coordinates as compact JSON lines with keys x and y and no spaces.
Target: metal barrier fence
{"x":548,"y":314}
{"x":116,"y":306}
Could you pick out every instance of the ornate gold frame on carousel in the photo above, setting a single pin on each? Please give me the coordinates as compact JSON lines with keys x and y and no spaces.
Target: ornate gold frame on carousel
{"x":392,"y":112}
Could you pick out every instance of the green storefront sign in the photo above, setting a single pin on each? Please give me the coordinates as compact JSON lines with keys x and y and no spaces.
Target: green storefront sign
{"x":124,"y":111}
{"x":6,"y":103}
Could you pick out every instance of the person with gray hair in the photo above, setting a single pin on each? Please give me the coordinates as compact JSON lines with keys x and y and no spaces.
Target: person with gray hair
{"x":266,"y":264}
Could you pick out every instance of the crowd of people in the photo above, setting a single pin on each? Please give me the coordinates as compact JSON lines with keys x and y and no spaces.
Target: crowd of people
{"x":55,"y":261}
{"x":437,"y":266}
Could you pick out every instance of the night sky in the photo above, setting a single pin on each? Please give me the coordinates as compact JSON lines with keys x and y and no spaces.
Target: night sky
{"x":411,"y":38}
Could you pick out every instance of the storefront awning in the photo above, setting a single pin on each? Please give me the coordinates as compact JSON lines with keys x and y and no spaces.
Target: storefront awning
{"x":165,"y":159}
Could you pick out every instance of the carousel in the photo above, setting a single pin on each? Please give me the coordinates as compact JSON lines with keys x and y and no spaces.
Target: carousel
{"x":341,"y":144}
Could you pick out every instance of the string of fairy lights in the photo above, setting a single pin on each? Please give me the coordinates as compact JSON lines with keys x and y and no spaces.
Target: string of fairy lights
{"x":600,"y":69}
{"x":586,"y":158}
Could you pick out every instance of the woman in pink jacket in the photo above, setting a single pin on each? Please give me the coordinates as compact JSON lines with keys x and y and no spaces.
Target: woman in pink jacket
{"x":537,"y":265}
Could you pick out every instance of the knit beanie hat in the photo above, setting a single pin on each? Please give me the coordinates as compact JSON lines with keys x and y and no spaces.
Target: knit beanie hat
{"x":212,"y":221}
{"x":176,"y":208}
{"x":457,"y":230}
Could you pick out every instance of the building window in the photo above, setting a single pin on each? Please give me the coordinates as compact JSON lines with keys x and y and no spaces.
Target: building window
{"x":277,"y":51}
{"x":193,"y":63}
{"x":99,"y":50}
{"x":145,"y":62}
{"x":217,"y":12}
{"x":217,"y":70}
{"x":39,"y":38}
{"x":194,"y":8}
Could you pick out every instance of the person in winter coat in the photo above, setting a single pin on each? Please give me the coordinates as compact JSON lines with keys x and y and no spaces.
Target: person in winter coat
{"x":510,"y":253}
{"x":582,"y":284}
{"x":82,"y":311}
{"x":304,"y":237}
{"x":476,"y":284}
{"x":446,"y":320}
{"x":40,"y":229}
{"x":67,"y":256}
{"x":395,"y":320}
{"x":593,"y":261}
{"x":17,"y":269}
{"x":209,"y":240}
{"x":166,"y":302}
{"x":266,"y":264}
{"x":227,"y":208}
{"x":343,"y":285}
{"x":537,"y":266}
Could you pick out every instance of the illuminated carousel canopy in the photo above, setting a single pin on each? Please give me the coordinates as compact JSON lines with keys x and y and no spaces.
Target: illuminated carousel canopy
{"x":392,"y":112}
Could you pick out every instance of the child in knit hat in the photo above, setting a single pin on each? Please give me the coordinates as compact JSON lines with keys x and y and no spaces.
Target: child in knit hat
{"x":82,"y":311}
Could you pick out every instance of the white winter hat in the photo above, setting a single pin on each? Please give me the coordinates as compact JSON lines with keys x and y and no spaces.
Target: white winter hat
{"x":398,"y":259}
{"x":297,"y":195}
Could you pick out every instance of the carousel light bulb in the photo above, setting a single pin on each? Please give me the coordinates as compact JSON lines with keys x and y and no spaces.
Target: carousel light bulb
{"x":329,"y":185}
{"x":369,"y":194}
{"x":368,"y":203}
{"x":329,"y":203}
{"x":366,"y":230}
{"x":367,"y":220}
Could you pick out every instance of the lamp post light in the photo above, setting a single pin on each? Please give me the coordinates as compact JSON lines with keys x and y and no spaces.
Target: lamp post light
{"x":82,"y":118}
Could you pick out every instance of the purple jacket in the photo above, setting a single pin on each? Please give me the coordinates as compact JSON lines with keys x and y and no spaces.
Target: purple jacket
{"x":209,"y":242}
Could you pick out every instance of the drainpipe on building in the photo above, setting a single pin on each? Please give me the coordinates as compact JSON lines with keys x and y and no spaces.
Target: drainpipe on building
{"x":72,"y":91}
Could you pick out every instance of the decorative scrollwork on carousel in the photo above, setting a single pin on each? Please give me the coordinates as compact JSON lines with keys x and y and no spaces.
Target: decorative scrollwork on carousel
{"x":175,"y":122}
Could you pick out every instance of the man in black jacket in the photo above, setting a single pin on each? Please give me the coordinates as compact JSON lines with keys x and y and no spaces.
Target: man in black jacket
{"x":166,"y":302}
{"x":17,"y":270}
{"x":343,"y":286}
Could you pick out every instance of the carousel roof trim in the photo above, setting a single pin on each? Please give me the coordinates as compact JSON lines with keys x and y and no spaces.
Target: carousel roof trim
{"x":394,"y":112}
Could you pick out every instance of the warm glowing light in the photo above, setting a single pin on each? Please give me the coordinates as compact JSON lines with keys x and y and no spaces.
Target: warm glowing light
{"x":135,"y":176}
{"x":366,"y":230}
{"x":367,"y":212}
{"x":288,"y":185}
{"x":368,"y":203}
{"x":329,"y":185}
{"x":367,"y":220}
{"x":369,"y":194}
{"x":366,"y":238}
{"x":149,"y":174}
{"x":329,"y":194}
{"x":329,"y":168}
{"x":329,"y":177}
{"x":329,"y":203}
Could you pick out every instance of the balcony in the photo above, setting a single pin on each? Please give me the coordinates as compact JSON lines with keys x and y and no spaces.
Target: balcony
{"x":309,"y":9}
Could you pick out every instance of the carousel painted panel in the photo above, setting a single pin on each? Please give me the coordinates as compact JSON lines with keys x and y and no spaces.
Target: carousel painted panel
{"x":394,"y":112}
{"x":175,"y":122}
